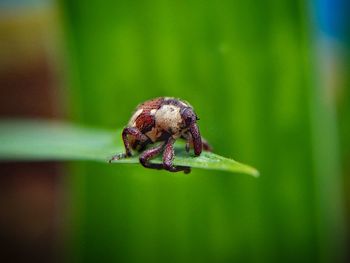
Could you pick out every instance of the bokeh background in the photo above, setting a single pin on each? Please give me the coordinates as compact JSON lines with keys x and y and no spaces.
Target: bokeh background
{"x":269,"y":80}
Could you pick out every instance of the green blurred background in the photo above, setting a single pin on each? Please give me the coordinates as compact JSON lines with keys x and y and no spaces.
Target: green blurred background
{"x":269,"y":82}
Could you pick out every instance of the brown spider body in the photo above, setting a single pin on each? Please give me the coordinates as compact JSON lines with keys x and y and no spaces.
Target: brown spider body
{"x":164,"y":120}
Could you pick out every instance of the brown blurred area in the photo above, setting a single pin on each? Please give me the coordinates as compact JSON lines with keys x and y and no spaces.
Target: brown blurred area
{"x":29,"y":192}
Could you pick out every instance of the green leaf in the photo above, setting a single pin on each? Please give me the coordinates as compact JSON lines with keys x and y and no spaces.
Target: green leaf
{"x":47,"y":140}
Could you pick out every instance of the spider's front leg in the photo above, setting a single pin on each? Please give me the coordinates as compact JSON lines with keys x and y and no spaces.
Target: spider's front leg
{"x":137,"y":135}
{"x":168,"y":157}
{"x":149,"y":154}
{"x":189,"y":144}
{"x":206,"y":146}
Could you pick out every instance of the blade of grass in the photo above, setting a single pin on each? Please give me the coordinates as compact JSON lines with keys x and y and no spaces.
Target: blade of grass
{"x":46,"y":140}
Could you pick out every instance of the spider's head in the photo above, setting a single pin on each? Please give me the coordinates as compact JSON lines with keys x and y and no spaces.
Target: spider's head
{"x":190,"y":121}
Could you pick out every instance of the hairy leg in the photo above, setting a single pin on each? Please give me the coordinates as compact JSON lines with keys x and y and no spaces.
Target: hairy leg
{"x":149,"y":154}
{"x":168,"y":157}
{"x":189,"y":144}
{"x":129,"y":131}
{"x":206,"y":145}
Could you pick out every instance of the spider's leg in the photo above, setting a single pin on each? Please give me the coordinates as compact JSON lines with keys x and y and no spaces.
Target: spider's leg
{"x":187,"y":137}
{"x":206,"y":146}
{"x":129,"y":131}
{"x":189,"y":143}
{"x":188,"y":146}
{"x":149,"y":154}
{"x":168,"y":157}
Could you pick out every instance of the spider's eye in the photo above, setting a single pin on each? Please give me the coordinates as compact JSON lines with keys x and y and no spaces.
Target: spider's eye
{"x":188,"y":120}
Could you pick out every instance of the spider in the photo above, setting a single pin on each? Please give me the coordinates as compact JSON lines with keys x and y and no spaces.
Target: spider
{"x":163,"y":120}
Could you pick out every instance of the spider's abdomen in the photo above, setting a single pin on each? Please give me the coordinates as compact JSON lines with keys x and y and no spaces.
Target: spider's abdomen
{"x":168,"y":119}
{"x":143,"y":118}
{"x":159,"y":118}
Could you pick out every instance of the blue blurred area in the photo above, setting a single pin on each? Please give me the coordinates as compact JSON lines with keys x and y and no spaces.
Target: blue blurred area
{"x":332,"y":17}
